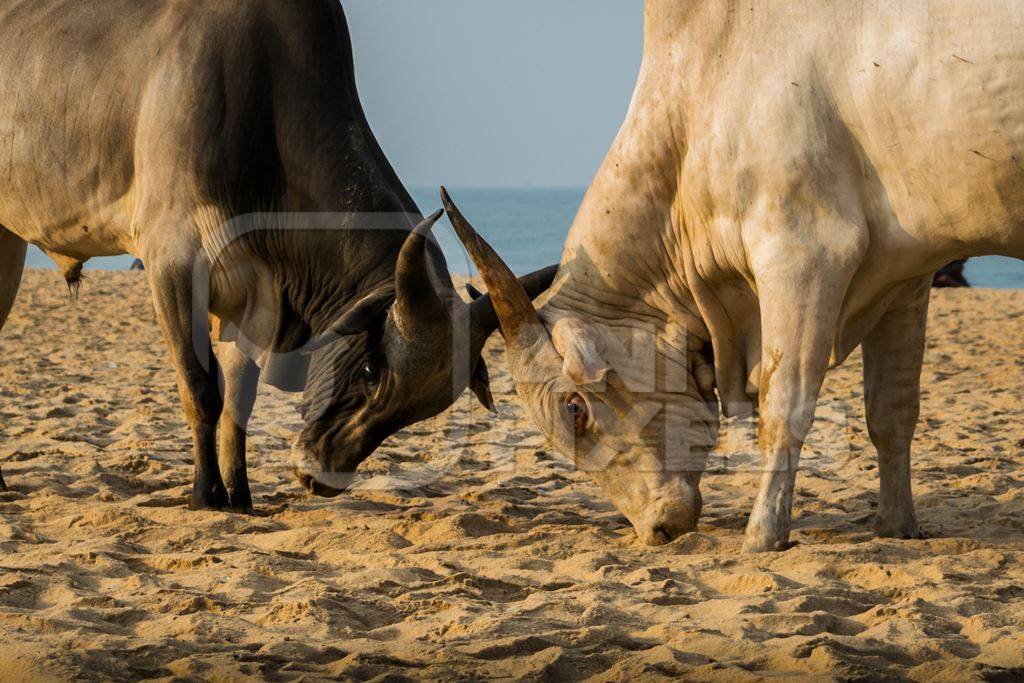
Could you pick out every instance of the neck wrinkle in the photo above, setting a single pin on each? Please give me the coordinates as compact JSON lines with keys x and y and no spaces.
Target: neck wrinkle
{"x":322,"y":288}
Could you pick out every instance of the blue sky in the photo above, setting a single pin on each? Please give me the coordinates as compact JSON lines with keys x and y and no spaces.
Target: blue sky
{"x":496,"y":93}
{"x":491,"y":93}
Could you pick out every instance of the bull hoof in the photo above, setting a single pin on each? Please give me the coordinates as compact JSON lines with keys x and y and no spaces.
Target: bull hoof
{"x":206,"y":506}
{"x":901,"y":533}
{"x":209,"y":499}
{"x":241,"y":503}
{"x":762,"y":545}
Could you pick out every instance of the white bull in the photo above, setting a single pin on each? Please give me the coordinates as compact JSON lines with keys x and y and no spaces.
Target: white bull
{"x":788,"y":178}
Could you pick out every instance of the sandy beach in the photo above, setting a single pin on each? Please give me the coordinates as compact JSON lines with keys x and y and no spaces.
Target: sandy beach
{"x":469,"y":551}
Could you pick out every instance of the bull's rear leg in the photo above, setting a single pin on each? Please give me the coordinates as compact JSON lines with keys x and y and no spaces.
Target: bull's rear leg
{"x":180,"y":285}
{"x":893,"y":355}
{"x":12,"y":265}
{"x":241,"y":381}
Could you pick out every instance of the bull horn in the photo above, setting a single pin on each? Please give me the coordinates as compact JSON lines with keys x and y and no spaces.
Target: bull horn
{"x":520,"y":324}
{"x":484,"y":319}
{"x":417,"y":304}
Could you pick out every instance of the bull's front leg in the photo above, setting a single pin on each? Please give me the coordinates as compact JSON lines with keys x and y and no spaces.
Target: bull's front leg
{"x":800,"y":298}
{"x":893,"y":355}
{"x":241,"y":381}
{"x":178,"y":276}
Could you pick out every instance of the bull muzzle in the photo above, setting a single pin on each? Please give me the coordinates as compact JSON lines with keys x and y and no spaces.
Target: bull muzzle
{"x":315,"y":479}
{"x":665,"y":521}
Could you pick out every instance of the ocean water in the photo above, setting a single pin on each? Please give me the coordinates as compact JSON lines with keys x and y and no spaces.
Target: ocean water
{"x":528,"y":227}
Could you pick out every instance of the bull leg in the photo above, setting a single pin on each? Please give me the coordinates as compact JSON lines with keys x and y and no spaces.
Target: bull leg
{"x":241,"y":380}
{"x":893,"y":354}
{"x":181,"y":296}
{"x":12,"y":265}
{"x":800,"y":302}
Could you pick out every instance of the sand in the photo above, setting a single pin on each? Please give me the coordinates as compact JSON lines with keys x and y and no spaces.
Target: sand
{"x":469,"y":550}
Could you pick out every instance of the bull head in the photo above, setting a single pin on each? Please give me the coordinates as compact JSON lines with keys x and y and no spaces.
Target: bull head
{"x":402,"y":354}
{"x":588,"y":411}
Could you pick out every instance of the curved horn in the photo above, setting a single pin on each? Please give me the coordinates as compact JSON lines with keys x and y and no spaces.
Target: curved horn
{"x":520,"y":324}
{"x":417,"y":304}
{"x":484,"y":319}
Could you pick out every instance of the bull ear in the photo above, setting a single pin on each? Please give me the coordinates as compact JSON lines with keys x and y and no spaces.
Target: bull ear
{"x":539,"y":281}
{"x":580,"y":347}
{"x":481,"y":386}
{"x":362,"y":316}
{"x":287,"y":372}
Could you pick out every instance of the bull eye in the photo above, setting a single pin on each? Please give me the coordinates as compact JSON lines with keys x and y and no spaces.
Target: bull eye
{"x":579,"y":414}
{"x":371,"y":374}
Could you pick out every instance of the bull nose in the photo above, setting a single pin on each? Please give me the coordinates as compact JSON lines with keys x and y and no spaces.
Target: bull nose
{"x":667,"y":522}
{"x":310,"y":483}
{"x":662,"y":534}
{"x":312,"y":476}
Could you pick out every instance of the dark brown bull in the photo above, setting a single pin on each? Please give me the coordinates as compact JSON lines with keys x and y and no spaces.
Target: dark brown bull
{"x":224,"y":143}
